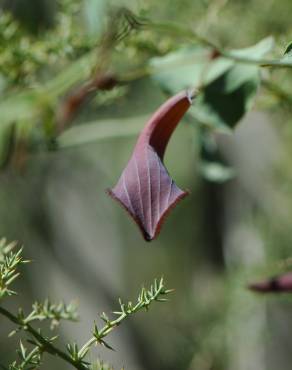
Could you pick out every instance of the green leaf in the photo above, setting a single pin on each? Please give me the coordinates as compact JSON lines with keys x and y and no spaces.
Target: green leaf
{"x":285,"y":61}
{"x":287,"y":58}
{"x":212,"y":166}
{"x":224,"y":101}
{"x":216,"y":172}
{"x":229,"y":87}
{"x":186,"y":68}
{"x":101,"y":130}
{"x":288,"y":50}
{"x":28,"y":104}
{"x":95,"y":15}
{"x":256,"y":51}
{"x":18,"y":106}
{"x":193,"y":65}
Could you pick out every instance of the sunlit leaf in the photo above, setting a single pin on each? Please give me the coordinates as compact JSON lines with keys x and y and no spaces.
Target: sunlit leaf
{"x":229,"y":87}
{"x":186,"y":68}
{"x":95,"y":14}
{"x":100,"y":130}
{"x":284,"y":61}
{"x":225,"y":100}
{"x":256,"y":51}
{"x":216,"y":172}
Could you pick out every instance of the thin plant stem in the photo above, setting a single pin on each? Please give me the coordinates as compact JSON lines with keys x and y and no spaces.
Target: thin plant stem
{"x":47,"y":345}
{"x":170,"y":27}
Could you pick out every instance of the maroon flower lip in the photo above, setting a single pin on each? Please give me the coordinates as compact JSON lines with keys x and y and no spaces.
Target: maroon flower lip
{"x":145,"y":189}
{"x":278,"y":284}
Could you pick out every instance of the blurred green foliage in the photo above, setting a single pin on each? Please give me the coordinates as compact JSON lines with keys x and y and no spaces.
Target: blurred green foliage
{"x":234,"y":228}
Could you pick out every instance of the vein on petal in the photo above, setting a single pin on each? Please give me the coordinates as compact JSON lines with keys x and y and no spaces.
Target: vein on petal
{"x":139,"y":186}
{"x":127,"y":194}
{"x":169,"y":193}
{"x":149,"y":189}
{"x":159,"y":184}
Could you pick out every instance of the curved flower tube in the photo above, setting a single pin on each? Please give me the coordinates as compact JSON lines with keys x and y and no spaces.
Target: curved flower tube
{"x":145,"y":188}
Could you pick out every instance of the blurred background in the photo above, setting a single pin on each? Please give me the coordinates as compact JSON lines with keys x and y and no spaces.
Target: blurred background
{"x":230,"y":231}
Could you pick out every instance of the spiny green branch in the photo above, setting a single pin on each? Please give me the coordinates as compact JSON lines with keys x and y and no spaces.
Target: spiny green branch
{"x":9,"y":262}
{"x":41,"y":341}
{"x":54,"y":313}
{"x":156,"y":293}
{"x":29,"y":359}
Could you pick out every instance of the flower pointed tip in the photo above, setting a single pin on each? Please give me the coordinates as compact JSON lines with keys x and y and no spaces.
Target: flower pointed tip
{"x":149,"y":232}
{"x":148,"y":237}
